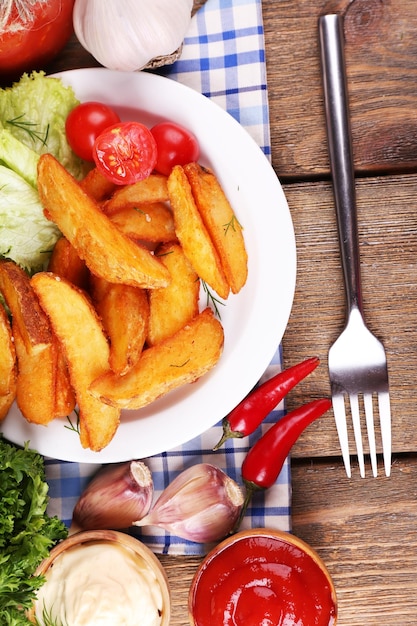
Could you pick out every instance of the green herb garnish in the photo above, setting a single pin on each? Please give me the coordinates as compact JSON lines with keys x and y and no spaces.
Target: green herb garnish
{"x":48,"y":620}
{"x":71,"y":426}
{"x":231,"y":224}
{"x":30,"y":128}
{"x":27,"y":533}
{"x":212,"y":299}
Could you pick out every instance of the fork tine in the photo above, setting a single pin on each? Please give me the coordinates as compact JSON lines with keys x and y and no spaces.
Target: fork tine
{"x":339,"y":412}
{"x":369,"y":416}
{"x":385,"y":420}
{"x":356,"y":420}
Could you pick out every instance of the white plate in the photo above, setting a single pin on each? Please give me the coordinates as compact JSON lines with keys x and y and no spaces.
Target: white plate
{"x":254,"y":321}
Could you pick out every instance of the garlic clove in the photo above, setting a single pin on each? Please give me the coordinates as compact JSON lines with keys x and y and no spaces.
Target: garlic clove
{"x":116,"y":497}
{"x":126,"y":35}
{"x":202,"y":504}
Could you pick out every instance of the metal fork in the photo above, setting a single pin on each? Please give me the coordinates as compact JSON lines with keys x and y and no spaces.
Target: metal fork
{"x":357,"y":360}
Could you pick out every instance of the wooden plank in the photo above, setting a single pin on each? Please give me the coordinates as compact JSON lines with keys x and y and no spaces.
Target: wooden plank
{"x":388,"y":245}
{"x":381,"y":48}
{"x":180,"y":571}
{"x":365,"y":531}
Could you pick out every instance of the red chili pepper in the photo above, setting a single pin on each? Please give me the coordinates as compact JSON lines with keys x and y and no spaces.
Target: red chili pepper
{"x":264,"y":461}
{"x":248,"y":414}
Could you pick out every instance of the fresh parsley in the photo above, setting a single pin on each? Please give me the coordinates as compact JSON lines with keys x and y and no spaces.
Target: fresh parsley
{"x":27,"y":533}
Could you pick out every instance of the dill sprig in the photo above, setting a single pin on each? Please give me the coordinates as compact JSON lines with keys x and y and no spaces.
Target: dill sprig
{"x":75,"y":427}
{"x":212,"y":299}
{"x":47,"y":619}
{"x":232,"y":224}
{"x":31,"y":128}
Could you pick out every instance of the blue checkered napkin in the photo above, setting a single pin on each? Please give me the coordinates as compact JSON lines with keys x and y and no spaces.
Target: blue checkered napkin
{"x":223,"y":58}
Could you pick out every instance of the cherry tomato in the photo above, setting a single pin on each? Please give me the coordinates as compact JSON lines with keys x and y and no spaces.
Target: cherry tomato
{"x":176,"y":146}
{"x":125,"y":152}
{"x":85,"y":123}
{"x":34,"y":33}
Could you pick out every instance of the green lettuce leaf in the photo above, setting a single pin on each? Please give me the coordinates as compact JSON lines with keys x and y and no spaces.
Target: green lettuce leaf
{"x":26,"y":236}
{"x":34,"y":110}
{"x":18,"y":157}
{"x":32,"y":122}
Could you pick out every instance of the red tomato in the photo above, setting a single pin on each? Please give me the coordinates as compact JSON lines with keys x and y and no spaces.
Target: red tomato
{"x":35,"y":32}
{"x":176,"y":146}
{"x":125,"y":153}
{"x":85,"y":123}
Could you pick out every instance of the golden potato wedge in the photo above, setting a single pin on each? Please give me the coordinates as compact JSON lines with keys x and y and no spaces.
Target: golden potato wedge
{"x":24,"y":306}
{"x":36,"y":380}
{"x":34,"y":344}
{"x":221,"y":222}
{"x":149,"y":190}
{"x":124,"y":312}
{"x":193,"y":235}
{"x":148,"y":222}
{"x":174,"y":306}
{"x":181,"y":359}
{"x":97,"y":186}
{"x":65,"y":400}
{"x":8,"y":366}
{"x":106,"y":251}
{"x":78,"y":328}
{"x":66,"y":263}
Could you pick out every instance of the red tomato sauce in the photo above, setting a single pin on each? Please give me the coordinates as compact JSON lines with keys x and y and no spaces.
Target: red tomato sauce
{"x":262,"y":581}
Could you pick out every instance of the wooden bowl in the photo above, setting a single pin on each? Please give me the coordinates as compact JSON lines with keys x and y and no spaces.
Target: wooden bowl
{"x":262,"y":574}
{"x":145,"y":559}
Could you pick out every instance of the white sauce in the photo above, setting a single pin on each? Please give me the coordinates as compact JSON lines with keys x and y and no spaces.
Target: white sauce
{"x":100,"y":584}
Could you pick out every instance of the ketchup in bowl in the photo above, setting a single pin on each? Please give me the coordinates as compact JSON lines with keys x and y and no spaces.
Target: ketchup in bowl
{"x":262,"y":578}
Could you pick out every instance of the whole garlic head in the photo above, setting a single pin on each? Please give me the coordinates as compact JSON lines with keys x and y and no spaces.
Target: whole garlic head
{"x":126,"y":35}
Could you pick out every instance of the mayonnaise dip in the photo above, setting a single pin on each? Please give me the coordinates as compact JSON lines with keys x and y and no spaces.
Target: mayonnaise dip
{"x":100,"y":584}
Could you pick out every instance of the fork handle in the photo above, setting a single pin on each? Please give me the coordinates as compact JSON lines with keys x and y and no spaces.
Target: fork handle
{"x":340,"y":151}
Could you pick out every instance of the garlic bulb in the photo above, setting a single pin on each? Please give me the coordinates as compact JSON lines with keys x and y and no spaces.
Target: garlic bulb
{"x":116,"y":497}
{"x":126,"y":34}
{"x":201,"y":504}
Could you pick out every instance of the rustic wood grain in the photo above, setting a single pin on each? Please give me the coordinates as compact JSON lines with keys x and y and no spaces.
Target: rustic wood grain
{"x":381,"y":58}
{"x":365,"y":531}
{"x":180,"y":572}
{"x":388,"y":244}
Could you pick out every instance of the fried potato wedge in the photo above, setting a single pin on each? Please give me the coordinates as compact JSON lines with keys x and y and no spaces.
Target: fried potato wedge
{"x":66,"y":263}
{"x":181,"y":359}
{"x":106,"y":251}
{"x":124,"y":312}
{"x":24,"y":306}
{"x":221,"y":223}
{"x":8,"y":365}
{"x":148,"y":222}
{"x":65,"y":400}
{"x":149,"y":190}
{"x":97,"y":186}
{"x":174,"y":306}
{"x":78,"y":328}
{"x":36,"y":379}
{"x":193,"y":235}
{"x":34,"y":343}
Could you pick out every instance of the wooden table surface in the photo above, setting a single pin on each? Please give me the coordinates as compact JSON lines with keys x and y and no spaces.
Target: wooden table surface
{"x":365,"y":529}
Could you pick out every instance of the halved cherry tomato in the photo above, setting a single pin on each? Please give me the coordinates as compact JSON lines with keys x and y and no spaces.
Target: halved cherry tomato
{"x":125,"y":152}
{"x":176,"y":146}
{"x":85,"y":123}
